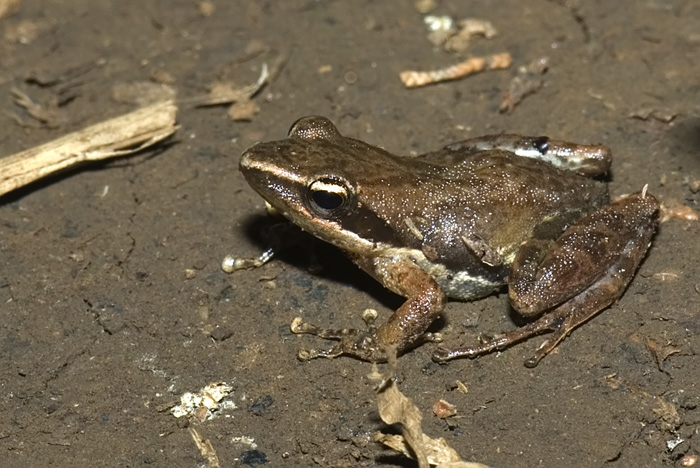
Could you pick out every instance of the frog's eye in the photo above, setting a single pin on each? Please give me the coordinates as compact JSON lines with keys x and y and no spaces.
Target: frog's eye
{"x":328,"y":197}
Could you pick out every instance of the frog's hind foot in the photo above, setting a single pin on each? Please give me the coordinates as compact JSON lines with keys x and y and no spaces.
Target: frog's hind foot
{"x":554,"y":321}
{"x":361,"y":344}
{"x":629,"y":224}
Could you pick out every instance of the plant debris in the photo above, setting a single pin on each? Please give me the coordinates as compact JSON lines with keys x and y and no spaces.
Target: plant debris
{"x":413,"y":79}
{"x":239,"y":98}
{"x":673,"y":209}
{"x":396,"y":408}
{"x":528,"y":81}
{"x":142,"y":92}
{"x":119,"y":136}
{"x":206,"y":449}
{"x":202,"y":405}
{"x":443,"y":32}
{"x":444,"y":409}
{"x":8,"y":7}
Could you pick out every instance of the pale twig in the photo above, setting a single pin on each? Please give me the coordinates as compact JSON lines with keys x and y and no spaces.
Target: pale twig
{"x":412,"y":79}
{"x":115,"y":137}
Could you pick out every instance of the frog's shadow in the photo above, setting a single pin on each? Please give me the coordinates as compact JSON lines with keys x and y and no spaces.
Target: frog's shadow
{"x":684,"y":139}
{"x":305,"y":252}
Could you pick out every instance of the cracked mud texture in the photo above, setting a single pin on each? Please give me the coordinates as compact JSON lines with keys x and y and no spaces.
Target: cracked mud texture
{"x":104,"y":325}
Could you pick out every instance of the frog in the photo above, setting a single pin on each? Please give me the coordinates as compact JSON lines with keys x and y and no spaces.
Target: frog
{"x":530,"y":215}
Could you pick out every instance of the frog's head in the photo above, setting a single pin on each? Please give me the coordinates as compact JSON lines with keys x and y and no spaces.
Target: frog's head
{"x":321,"y":181}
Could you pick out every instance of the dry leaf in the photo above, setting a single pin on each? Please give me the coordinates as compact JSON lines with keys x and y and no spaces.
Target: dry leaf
{"x":25,"y":32}
{"x":396,"y":408}
{"x":673,"y":209}
{"x":669,"y":418}
{"x":467,"y":29}
{"x":46,"y":113}
{"x":228,"y":93}
{"x":206,"y":8}
{"x":661,"y":352}
{"x":7,"y":7}
{"x":244,"y":110}
{"x":527,"y":82}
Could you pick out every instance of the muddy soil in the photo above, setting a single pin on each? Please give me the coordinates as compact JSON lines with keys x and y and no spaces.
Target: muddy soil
{"x":114,"y":304}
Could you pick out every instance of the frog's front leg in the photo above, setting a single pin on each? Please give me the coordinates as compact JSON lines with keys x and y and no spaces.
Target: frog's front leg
{"x":572,"y":279}
{"x":587,"y":160}
{"x":424,"y":302}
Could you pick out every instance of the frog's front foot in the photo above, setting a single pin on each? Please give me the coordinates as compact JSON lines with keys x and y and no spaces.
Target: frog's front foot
{"x":368,"y":345}
{"x":362,"y":344}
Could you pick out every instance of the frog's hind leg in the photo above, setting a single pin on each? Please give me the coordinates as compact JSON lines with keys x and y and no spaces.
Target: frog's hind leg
{"x":571,"y":280}
{"x":586,"y":160}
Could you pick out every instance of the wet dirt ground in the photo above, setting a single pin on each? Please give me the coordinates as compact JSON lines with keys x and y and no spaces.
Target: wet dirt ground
{"x":114,"y":303}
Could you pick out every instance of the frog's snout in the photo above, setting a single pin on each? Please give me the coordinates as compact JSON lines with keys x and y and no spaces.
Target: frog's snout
{"x":251,"y":161}
{"x":246,"y":161}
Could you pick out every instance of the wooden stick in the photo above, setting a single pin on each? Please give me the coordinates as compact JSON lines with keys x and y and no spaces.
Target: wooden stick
{"x":119,"y":136}
{"x":413,"y":79}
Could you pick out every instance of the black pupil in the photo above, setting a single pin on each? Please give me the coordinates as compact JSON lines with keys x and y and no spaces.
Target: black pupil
{"x":327,"y":200}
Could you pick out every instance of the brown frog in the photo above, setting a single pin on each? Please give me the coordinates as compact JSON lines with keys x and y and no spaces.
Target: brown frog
{"x":461,"y":222}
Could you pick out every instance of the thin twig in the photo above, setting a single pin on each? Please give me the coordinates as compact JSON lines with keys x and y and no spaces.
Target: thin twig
{"x":115,"y":137}
{"x":412,"y":79}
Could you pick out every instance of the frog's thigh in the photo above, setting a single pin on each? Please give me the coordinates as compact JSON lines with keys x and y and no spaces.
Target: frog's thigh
{"x":424,"y":301}
{"x":588,"y":160}
{"x":592,"y":261}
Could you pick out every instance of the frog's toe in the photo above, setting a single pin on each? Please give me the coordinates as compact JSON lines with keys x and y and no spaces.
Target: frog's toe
{"x":299,"y":327}
{"x":363,"y":348}
{"x":441,"y":354}
{"x":361,"y":344}
{"x":309,"y":354}
{"x":429,"y":337}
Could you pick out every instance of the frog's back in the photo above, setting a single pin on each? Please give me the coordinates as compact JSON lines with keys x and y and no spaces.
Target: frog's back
{"x":468,"y":213}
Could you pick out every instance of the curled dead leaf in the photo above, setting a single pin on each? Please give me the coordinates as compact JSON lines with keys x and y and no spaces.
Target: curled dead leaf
{"x":396,"y":408}
{"x":673,"y":209}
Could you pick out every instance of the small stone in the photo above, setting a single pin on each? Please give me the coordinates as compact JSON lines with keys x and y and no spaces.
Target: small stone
{"x":261,"y":405}
{"x":221,"y":333}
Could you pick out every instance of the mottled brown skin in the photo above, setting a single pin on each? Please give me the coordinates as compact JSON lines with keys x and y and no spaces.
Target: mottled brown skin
{"x":459,"y":222}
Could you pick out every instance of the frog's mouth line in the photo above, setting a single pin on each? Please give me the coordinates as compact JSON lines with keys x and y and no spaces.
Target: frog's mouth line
{"x":332,"y":232}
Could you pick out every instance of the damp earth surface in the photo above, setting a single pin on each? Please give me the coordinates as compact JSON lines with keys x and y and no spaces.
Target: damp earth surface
{"x":114,"y":304}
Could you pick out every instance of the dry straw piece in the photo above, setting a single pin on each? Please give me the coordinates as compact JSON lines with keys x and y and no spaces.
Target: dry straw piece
{"x":119,"y":136}
{"x":413,"y":79}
